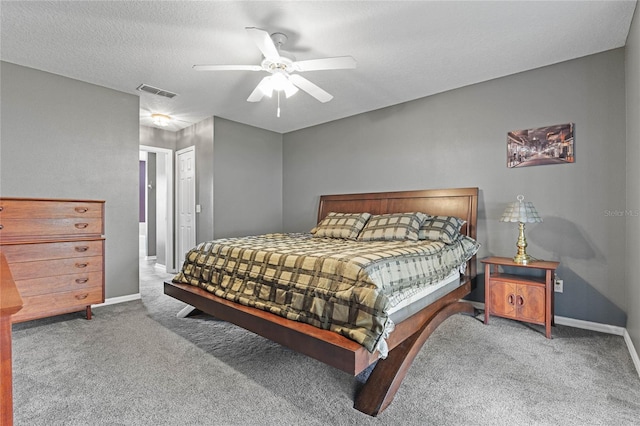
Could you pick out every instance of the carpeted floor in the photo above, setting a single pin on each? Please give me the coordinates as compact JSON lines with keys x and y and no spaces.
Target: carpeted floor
{"x":136,"y":363}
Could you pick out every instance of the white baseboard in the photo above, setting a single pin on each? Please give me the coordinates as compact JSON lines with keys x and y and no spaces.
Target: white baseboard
{"x":632,"y":351}
{"x":588,"y":325}
{"x":119,"y":299}
{"x":593,"y":326}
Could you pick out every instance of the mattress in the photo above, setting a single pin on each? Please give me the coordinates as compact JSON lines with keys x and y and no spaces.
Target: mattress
{"x":424,"y":297}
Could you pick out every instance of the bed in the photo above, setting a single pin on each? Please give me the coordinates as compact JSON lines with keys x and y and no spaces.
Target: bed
{"x":341,"y":350}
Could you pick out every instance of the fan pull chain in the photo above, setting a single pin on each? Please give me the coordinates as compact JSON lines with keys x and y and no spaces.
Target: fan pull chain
{"x":278,"y":111}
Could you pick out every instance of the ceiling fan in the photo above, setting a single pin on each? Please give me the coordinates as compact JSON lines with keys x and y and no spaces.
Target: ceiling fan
{"x":283,"y":68}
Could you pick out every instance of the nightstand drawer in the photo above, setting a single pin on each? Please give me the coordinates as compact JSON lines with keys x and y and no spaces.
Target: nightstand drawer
{"x":502,"y":296}
{"x":517,"y":301}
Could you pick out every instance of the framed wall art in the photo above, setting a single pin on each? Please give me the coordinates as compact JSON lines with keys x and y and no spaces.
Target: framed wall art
{"x":543,"y":145}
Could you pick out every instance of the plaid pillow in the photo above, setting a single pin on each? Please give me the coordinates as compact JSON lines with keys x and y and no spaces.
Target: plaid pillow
{"x":441,"y":228}
{"x":393,"y":226}
{"x":341,"y":225}
{"x":469,"y":246}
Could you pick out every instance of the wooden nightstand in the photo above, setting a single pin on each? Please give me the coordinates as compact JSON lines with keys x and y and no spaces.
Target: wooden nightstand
{"x":518,"y":297}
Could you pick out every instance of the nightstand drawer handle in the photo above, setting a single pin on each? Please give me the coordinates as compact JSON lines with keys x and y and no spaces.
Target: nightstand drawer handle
{"x":510,"y":299}
{"x":82,"y":296}
{"x":520,"y":300}
{"x":81,"y":225}
{"x":82,"y":280}
{"x":82,"y":209}
{"x":82,"y":249}
{"x":81,"y":265}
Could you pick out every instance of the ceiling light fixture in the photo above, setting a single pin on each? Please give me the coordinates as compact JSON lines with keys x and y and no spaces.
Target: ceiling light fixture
{"x":161,"y":120}
{"x":277,"y":82}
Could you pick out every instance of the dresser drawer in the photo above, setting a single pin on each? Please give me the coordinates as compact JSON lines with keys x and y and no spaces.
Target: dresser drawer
{"x":57,"y":303}
{"x":11,"y":208}
{"x":44,"y":251}
{"x":29,"y":220}
{"x":59,"y":283}
{"x":32,"y":228}
{"x":50,"y":268}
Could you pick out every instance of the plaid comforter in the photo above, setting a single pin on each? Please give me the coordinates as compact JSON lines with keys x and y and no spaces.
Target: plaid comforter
{"x":341,"y":285}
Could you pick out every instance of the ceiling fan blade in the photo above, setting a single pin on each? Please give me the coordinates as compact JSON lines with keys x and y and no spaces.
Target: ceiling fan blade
{"x":337,"y":63}
{"x":310,"y":88}
{"x":260,"y":90}
{"x":262,"y":39}
{"x":227,"y":67}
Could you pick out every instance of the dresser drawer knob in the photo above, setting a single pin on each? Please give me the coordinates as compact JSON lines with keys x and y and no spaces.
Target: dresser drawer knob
{"x":82,"y":249}
{"x":82,"y":209}
{"x":81,"y":265}
{"x":1,"y":208}
{"x":1,"y":226}
{"x":81,"y":225}
{"x":82,"y":280}
{"x":82,"y":296}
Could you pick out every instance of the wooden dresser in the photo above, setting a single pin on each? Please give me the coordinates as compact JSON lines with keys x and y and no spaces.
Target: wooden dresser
{"x":55,"y":250}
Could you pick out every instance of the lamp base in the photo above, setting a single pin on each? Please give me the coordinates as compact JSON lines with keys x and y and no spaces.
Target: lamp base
{"x":523,"y":259}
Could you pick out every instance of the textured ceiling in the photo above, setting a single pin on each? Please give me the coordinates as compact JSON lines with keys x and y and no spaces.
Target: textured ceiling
{"x":404,"y":50}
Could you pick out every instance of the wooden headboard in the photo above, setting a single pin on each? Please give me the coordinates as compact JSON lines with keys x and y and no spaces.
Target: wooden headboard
{"x":458,"y":202}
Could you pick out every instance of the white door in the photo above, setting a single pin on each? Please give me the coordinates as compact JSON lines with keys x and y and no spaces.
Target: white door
{"x":186,"y":199}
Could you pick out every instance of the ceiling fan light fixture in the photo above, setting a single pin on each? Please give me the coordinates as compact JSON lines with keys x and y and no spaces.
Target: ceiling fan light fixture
{"x":279,"y":81}
{"x":290,"y":89}
{"x":266,"y":86}
{"x":161,"y":120}
{"x":283,"y":68}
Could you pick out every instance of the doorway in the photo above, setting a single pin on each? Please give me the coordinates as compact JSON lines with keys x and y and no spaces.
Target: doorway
{"x":156,"y":207}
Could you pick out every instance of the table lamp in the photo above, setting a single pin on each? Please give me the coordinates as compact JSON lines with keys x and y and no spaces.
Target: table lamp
{"x":521,"y":212}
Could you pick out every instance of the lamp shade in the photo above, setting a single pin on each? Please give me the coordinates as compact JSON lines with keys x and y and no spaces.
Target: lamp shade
{"x":521,"y":211}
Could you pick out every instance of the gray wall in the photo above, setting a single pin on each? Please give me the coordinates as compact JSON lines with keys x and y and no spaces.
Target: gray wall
{"x":63,"y":138}
{"x":248,"y":180}
{"x":159,"y":138}
{"x":200,"y":135}
{"x":458,"y":139}
{"x":633,"y":179}
{"x":238,"y":166}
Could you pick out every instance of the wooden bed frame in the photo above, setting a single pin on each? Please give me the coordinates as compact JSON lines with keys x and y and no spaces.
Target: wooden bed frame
{"x":336,"y":350}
